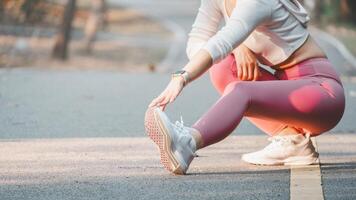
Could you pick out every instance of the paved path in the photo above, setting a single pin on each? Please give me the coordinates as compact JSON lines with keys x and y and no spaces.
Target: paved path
{"x":71,"y":103}
{"x":115,"y":168}
{"x":178,"y":16}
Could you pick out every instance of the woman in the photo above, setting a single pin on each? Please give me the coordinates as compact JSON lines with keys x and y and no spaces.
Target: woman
{"x":303,"y":98}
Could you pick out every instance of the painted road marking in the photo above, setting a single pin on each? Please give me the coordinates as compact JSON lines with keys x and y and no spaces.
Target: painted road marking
{"x":305,"y":181}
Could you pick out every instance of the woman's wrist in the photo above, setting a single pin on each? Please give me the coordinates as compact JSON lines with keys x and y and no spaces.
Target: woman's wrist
{"x":183,"y":76}
{"x":199,"y":64}
{"x":180,"y":80}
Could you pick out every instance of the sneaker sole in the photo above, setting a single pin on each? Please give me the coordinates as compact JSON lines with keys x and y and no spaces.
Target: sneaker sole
{"x":302,"y":160}
{"x":295,"y":160}
{"x":156,"y":130}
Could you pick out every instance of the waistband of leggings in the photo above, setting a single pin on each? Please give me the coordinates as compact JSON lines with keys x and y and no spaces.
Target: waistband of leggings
{"x":309,"y":67}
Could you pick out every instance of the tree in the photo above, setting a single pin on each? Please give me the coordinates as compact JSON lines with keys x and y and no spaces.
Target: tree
{"x":60,"y":50}
{"x":95,"y":20}
{"x":28,"y":7}
{"x":346,"y":8}
{"x":1,"y":9}
{"x":318,"y":8}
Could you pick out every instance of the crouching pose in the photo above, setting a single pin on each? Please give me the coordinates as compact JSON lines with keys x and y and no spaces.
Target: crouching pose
{"x":304,"y":97}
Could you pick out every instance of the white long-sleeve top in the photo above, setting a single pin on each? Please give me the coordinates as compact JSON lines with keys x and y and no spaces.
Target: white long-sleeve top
{"x":272,"y":29}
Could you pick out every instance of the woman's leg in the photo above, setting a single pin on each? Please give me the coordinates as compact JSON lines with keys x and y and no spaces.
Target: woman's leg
{"x":314,"y":103}
{"x":225,"y":72}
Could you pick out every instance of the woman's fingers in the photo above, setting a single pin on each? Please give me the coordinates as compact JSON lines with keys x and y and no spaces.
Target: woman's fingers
{"x":256,"y":73}
{"x":165,"y":100}
{"x":159,"y":99}
{"x":163,"y":107}
{"x":244,"y":72}
{"x":238,"y":66}
{"x":247,"y":72}
{"x":156,"y":101}
{"x":251,"y":70}
{"x":168,"y":95}
{"x":239,"y":70}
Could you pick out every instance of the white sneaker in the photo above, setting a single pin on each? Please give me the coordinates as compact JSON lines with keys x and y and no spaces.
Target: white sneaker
{"x":285,"y":150}
{"x":177,"y":146}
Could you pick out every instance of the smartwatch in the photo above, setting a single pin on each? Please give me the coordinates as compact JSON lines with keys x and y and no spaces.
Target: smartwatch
{"x":183,"y":74}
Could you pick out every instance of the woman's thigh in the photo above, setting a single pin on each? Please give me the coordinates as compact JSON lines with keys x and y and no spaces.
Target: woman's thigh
{"x":315,"y":104}
{"x":225,"y":72}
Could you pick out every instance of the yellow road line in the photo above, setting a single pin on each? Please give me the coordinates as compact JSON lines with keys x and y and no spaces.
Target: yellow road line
{"x":305,"y":182}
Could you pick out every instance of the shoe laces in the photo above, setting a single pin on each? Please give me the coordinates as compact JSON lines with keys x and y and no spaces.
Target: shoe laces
{"x":280,"y":141}
{"x":183,"y":133}
{"x":180,"y":128}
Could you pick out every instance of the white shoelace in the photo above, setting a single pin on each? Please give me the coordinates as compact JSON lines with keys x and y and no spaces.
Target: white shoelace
{"x":183,"y":131}
{"x":179,"y":126}
{"x":280,"y":141}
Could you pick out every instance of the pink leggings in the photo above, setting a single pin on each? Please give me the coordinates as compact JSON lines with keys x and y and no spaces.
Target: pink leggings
{"x":308,"y":97}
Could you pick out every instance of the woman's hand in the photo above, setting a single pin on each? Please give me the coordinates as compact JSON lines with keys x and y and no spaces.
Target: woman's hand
{"x":246,"y":63}
{"x":171,"y":92}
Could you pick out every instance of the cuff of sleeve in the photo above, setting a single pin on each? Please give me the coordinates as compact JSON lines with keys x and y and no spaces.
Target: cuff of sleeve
{"x":216,"y":54}
{"x":213,"y":54}
{"x":193,"y":49}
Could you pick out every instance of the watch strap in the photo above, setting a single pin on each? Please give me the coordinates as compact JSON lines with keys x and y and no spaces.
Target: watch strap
{"x":184,"y":74}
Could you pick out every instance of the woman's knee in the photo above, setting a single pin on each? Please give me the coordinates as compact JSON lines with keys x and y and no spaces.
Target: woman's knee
{"x":238,"y":87}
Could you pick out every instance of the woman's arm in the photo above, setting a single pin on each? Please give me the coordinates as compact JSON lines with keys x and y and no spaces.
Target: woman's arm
{"x":199,"y":64}
{"x":246,"y":16}
{"x":206,"y":25}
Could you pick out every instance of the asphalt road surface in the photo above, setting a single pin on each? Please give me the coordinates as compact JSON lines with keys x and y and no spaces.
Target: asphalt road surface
{"x":71,"y":134}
